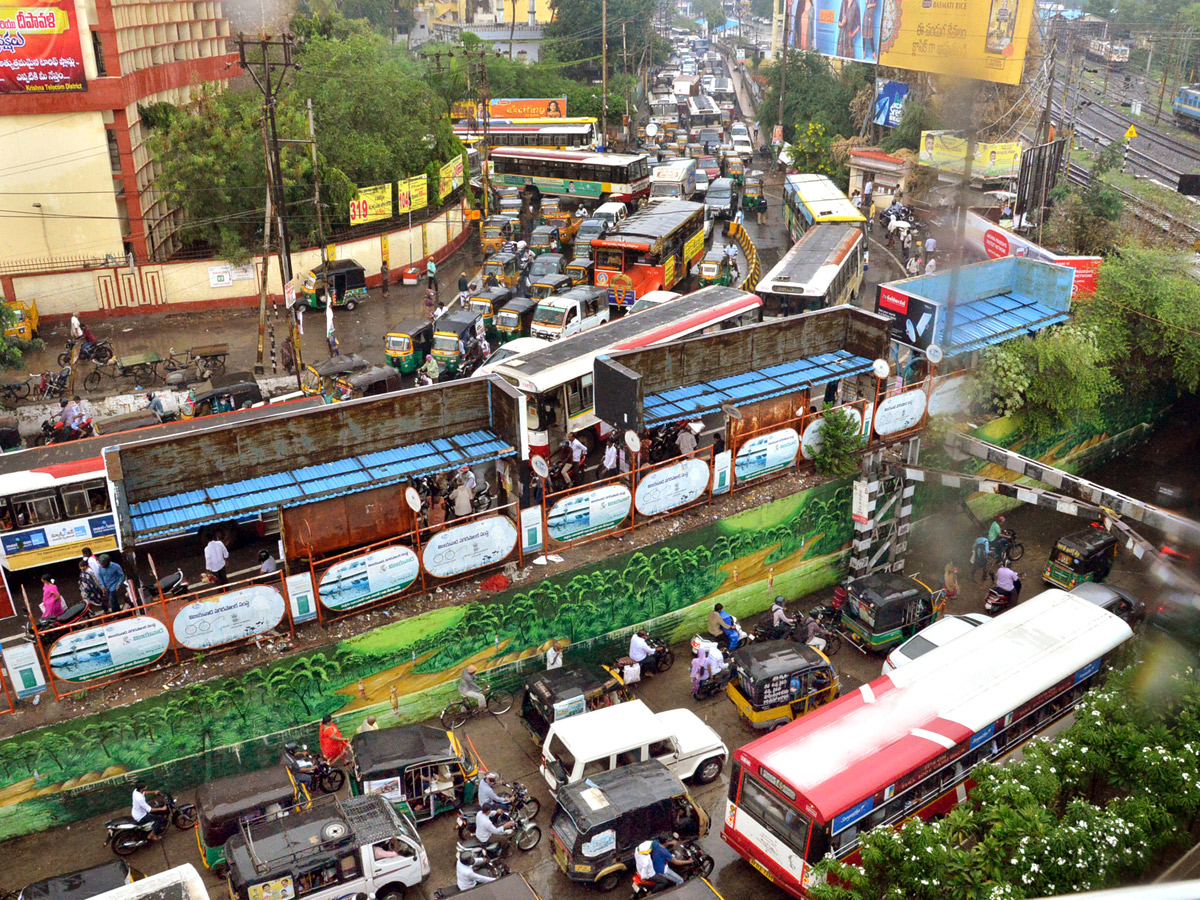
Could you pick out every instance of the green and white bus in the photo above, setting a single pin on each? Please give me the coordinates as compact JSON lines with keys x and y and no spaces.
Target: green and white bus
{"x":566,"y":173}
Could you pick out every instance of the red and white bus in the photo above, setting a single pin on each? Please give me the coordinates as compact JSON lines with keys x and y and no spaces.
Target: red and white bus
{"x":905,"y":744}
{"x":568,"y":173}
{"x":557,"y":380}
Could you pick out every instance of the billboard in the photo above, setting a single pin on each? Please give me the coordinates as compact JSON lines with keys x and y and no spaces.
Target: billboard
{"x":994,"y":242}
{"x":846,"y":29}
{"x":982,"y":39}
{"x":528,"y":108}
{"x":39,"y":49}
{"x":946,"y":151}
{"x":914,"y":319}
{"x":371,"y":204}
{"x":889,"y":103}
{"x":412,"y":193}
{"x":450,"y":177}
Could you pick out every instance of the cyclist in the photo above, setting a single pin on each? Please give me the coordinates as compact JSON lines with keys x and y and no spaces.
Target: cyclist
{"x":470,"y":688}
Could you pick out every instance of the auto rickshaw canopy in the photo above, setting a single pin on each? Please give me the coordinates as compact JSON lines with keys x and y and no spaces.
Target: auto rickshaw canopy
{"x":1081,"y":556}
{"x":886,"y":601}
{"x":582,"y":270}
{"x":516,"y":315}
{"x":545,"y":236}
{"x":369,"y":383}
{"x":549,"y":285}
{"x":766,"y":671}
{"x":498,"y":225}
{"x":410,"y":334}
{"x":557,"y":693}
{"x":222,"y":804}
{"x":390,"y":751}
{"x":320,"y":378}
{"x":494,"y":297}
{"x":503,"y":266}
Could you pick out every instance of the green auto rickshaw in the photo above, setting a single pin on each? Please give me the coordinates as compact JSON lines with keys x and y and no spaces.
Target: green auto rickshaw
{"x":494,"y":231}
{"x":886,"y":609}
{"x":343,"y":279}
{"x":752,"y":193}
{"x":320,"y":379}
{"x":514,"y":319}
{"x":548,"y":285}
{"x":545,"y":239}
{"x":421,"y":769}
{"x":222,"y":806}
{"x":735,"y":169}
{"x":408,"y":344}
{"x":456,"y":338}
{"x":715,"y":268}
{"x":488,"y":302}
{"x":1083,"y":556}
{"x":582,"y":271}
{"x":503,"y":270}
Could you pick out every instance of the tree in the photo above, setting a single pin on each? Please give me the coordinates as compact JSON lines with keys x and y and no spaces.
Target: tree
{"x":840,"y":441}
{"x":917,"y":117}
{"x":815,"y":93}
{"x":575,"y":33}
{"x":713,"y":12}
{"x":1084,"y":220}
{"x":812,"y":151}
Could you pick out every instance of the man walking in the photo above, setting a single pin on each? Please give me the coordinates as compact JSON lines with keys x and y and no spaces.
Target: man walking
{"x":112,"y":578}
{"x":431,"y":273}
{"x":216,"y":559}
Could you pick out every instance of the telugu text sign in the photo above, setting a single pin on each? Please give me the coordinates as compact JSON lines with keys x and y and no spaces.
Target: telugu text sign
{"x":980,"y":39}
{"x":528,"y":107}
{"x":948,"y":151}
{"x":39,"y":49}
{"x":412,"y":193}
{"x":371,"y":204}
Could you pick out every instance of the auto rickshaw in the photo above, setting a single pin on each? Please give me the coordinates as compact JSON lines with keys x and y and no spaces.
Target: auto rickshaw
{"x":368,"y":383}
{"x":514,"y":319}
{"x":494,"y":231}
{"x":735,"y":168}
{"x":503,"y":267}
{"x":548,"y":285}
{"x":408,"y":344}
{"x":344,"y":279}
{"x":549,"y":208}
{"x":752,"y":193}
{"x":510,"y":206}
{"x":715,"y":268}
{"x":558,"y":693}
{"x":545,"y":239}
{"x":421,"y":769}
{"x":456,"y":338}
{"x":694,"y":150}
{"x":320,"y":379}
{"x":775,"y":681}
{"x":567,"y":223}
{"x":488,"y":302}
{"x":25,"y":325}
{"x":222,"y":806}
{"x":1083,"y":556}
{"x":886,"y":609}
{"x":581,"y":271}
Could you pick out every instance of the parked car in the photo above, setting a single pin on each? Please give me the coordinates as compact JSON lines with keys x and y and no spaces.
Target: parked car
{"x":1119,"y":602}
{"x":936,"y":635}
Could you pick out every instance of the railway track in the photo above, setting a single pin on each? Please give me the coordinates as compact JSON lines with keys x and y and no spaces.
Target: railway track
{"x":1185,"y":234}
{"x":1139,"y":161}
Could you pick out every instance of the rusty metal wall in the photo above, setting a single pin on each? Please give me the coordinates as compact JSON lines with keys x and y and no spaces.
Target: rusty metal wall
{"x":168,"y":466}
{"x":759,"y":346}
{"x":330,"y":526}
{"x":508,"y":406}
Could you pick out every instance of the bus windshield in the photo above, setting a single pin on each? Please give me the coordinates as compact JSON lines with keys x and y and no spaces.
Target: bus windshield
{"x":610,"y":258}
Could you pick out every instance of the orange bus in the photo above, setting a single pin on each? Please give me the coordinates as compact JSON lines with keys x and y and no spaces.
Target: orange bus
{"x":652,"y":250}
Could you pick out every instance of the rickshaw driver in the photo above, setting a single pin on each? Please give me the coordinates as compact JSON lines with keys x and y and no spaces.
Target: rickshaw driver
{"x":299,"y":763}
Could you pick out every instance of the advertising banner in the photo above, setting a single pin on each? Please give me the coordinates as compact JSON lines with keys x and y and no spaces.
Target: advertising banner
{"x":302,"y":597}
{"x":472,"y":546}
{"x":39,"y":48}
{"x":845,"y":29}
{"x":528,"y":107}
{"x":914,"y":319}
{"x":50,"y":543}
{"x":981,"y":39}
{"x":229,"y":617}
{"x":950,"y":396}
{"x":589,"y":512}
{"x":24,"y":669}
{"x":946,"y":151}
{"x":371,"y":204}
{"x":671,"y":487}
{"x":889,"y":103}
{"x":900,"y":412}
{"x":551,"y":185}
{"x":995,"y":242}
{"x":412,"y":193}
{"x":450,"y":177}
{"x":365,"y":578}
{"x":96,"y":653}
{"x":766,"y":453}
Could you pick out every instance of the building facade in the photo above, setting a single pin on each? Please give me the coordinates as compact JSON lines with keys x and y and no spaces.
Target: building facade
{"x":78,"y":180}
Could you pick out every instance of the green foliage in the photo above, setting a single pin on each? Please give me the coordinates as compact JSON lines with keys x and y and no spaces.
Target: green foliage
{"x":1084,"y":220}
{"x":840,"y":441}
{"x":815,"y":93}
{"x":158,"y":116}
{"x":917,"y":117}
{"x":331,"y":25}
{"x":1086,"y":811}
{"x":812,"y":151}
{"x":574,"y":36}
{"x":713,"y":12}
{"x":1054,"y":379}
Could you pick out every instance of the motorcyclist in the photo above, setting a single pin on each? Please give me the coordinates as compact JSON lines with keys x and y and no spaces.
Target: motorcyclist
{"x":814,"y":633}
{"x":487,"y":832}
{"x":1008,"y":583}
{"x":780,"y":623}
{"x":300,"y":763}
{"x":488,"y":795}
{"x":467,"y":875}
{"x":723,"y":626}
{"x":145,"y":815}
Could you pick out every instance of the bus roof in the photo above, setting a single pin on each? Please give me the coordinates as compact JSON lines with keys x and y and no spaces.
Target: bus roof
{"x":822,"y":197}
{"x":524,"y":128}
{"x":602,"y":159}
{"x":847,"y":751}
{"x":658,"y":324}
{"x":651,"y":224}
{"x":812,"y":262}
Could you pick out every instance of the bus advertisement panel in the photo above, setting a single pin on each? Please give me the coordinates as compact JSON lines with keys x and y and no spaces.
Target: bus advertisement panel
{"x":528,"y":107}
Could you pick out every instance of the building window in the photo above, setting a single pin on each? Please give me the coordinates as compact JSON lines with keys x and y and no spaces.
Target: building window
{"x":98,"y":50}
{"x":114,"y":151}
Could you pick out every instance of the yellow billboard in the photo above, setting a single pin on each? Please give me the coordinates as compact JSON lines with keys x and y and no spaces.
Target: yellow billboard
{"x":983,"y":39}
{"x":412,"y":194}
{"x":946,"y":151}
{"x":450,"y":177}
{"x":370,"y":204}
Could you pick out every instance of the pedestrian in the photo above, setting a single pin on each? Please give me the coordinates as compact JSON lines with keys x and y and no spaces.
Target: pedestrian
{"x":979,"y":556}
{"x":52,"y":601}
{"x":950,"y":581}
{"x":431,"y":275}
{"x":91,"y":591}
{"x":368,"y":724}
{"x":872,"y":214}
{"x":739,"y":217}
{"x":930,"y":266}
{"x":718,"y":444}
{"x":333,"y":745}
{"x":439,"y":310}
{"x":609,"y":466}
{"x":554,"y":656}
{"x":266,"y":563}
{"x":464,"y":285}
{"x":913,"y":266}
{"x":436,"y":515}
{"x":76,"y":327}
{"x":868,"y":190}
{"x":578,"y":458}
{"x":856,"y":199}
{"x":930,"y":245}
{"x":461,"y":496}
{"x":216,"y":558}
{"x":395,"y":702}
{"x":112,"y":578}
{"x":866,"y":260}
{"x":385,"y":277}
{"x":93,"y":563}
{"x":686,"y":440}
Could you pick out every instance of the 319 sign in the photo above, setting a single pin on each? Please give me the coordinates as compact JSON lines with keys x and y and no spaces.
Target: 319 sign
{"x":371,"y":204}
{"x":360,"y":211}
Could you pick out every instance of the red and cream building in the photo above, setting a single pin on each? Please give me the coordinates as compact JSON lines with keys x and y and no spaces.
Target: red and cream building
{"x":76,"y":172}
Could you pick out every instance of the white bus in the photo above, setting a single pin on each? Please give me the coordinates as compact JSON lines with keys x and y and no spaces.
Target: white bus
{"x":565,"y":173}
{"x":824,"y":268}
{"x":545,"y":134}
{"x":810,"y":200}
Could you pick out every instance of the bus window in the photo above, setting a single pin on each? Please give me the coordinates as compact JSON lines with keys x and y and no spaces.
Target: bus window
{"x":98,"y":498}
{"x":75,"y":502}
{"x":579,"y":396}
{"x":6,"y":516}
{"x":610,"y":258}
{"x":37,"y":508}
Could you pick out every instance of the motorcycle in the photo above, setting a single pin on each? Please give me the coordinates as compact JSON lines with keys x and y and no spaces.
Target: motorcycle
{"x":492,"y":868}
{"x":99,"y":352}
{"x":688,"y":860}
{"x":666,"y":656}
{"x":53,"y":385}
{"x":662,"y":442}
{"x":329,"y":778}
{"x":483,"y":497}
{"x":1007,"y":548}
{"x":999,"y":601}
{"x":170,"y":585}
{"x":716,"y":682}
{"x":526,"y":835}
{"x":521,"y":802}
{"x":73,"y":614}
{"x":54,"y":431}
{"x":125,"y":835}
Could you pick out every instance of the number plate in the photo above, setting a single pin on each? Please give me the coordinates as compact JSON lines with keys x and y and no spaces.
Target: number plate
{"x":763,"y":869}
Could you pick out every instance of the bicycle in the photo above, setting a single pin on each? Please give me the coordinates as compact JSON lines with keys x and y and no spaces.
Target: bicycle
{"x":456,"y":714}
{"x":11,"y":392}
{"x":143,"y":372}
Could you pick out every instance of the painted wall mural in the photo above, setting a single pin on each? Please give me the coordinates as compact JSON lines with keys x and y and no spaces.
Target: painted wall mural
{"x":406,"y":671}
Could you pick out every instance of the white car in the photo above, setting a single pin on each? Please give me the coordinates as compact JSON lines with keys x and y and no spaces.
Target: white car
{"x":701,"y":182}
{"x":940,"y":633}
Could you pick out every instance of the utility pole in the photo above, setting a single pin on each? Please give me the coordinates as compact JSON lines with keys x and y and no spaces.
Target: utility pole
{"x":1166,"y":69}
{"x":782,"y":88}
{"x":266,"y":255}
{"x":604,"y":72}
{"x":270,"y":89}
{"x":625,"y":54}
{"x":1044,"y":126}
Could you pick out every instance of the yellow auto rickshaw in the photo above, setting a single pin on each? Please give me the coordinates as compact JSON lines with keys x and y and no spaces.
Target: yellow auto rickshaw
{"x":408,"y":344}
{"x":494,"y":231}
{"x":503,"y":269}
{"x":515,"y":319}
{"x":488,"y":302}
{"x":322,"y":378}
{"x":773,"y":682}
{"x":25,"y":325}
{"x":581,"y":271}
{"x":735,"y":169}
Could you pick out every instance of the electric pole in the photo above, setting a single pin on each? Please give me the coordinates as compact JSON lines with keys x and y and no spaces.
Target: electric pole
{"x":625,"y":53}
{"x":604,"y":72}
{"x":782,"y":86}
{"x":1044,"y":126}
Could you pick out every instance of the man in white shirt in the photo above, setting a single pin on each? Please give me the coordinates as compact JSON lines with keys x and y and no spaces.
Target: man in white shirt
{"x":76,"y":327}
{"x":215,"y":559}
{"x":554,"y":656}
{"x":142,"y":812}
{"x":642,"y":653}
{"x":930,"y":266}
{"x":486,"y":831}
{"x":931,"y":246}
{"x":686,"y":441}
{"x":578,"y":454}
{"x":467,"y":876}
{"x":467,"y":476}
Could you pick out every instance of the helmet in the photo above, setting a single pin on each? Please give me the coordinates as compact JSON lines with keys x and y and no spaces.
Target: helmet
{"x":492,"y":776}
{"x":466,"y":857}
{"x":291,"y":746}
{"x":780,"y":600}
{"x":62,"y":402}
{"x":521,"y":245}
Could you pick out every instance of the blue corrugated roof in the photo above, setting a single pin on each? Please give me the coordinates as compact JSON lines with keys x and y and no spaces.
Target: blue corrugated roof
{"x":991,"y":320}
{"x":179,"y":512}
{"x":758,"y":384}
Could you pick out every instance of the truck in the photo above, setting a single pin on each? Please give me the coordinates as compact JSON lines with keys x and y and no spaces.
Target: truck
{"x":562,"y":315}
{"x":676,"y":180}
